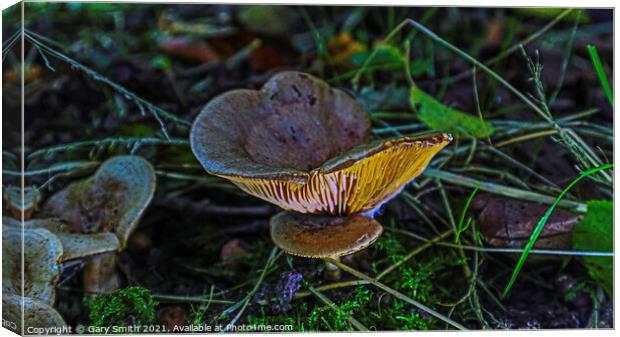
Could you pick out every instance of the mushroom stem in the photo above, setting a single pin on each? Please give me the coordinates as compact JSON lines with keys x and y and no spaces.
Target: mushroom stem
{"x":332,"y":272}
{"x":100,"y":275}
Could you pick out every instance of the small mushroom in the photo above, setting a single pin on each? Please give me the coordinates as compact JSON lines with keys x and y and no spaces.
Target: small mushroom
{"x":506,"y":222}
{"x":305,"y":147}
{"x":112,"y":200}
{"x":37,"y":314}
{"x":40,"y":269}
{"x":100,"y":209}
{"x":12,"y":196}
{"x":320,"y":236}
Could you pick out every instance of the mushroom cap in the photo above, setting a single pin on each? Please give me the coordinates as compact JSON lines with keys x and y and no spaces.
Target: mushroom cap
{"x":81,"y":245}
{"x":37,"y":313}
{"x":112,"y":200}
{"x":293,"y":124}
{"x":303,"y":146}
{"x":319,"y":236}
{"x":74,"y":244}
{"x":42,"y":252}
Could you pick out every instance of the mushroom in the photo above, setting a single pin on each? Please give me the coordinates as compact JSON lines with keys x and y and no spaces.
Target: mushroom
{"x":74,"y":245}
{"x":321,"y":236}
{"x":303,"y":146}
{"x":37,"y":314}
{"x":12,"y":196}
{"x":112,"y":200}
{"x":41,"y":257}
{"x":98,"y":214}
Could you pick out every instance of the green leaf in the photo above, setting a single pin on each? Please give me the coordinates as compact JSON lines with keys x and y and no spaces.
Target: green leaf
{"x":438,"y":116}
{"x":385,"y":57}
{"x":595,"y":233}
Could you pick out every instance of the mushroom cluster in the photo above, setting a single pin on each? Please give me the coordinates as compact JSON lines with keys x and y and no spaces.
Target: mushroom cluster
{"x":306,"y":147}
{"x":92,"y":219}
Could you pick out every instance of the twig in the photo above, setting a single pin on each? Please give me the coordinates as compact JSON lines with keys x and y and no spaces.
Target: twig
{"x":394,"y":293}
{"x":359,"y":326}
{"x":529,"y":136}
{"x":500,"y":250}
{"x":414,"y":253}
{"x":132,"y":142}
{"x":246,"y":300}
{"x":60,"y":167}
{"x":502,"y":190}
{"x":97,"y":76}
{"x":190,"y":299}
{"x":446,"y":203}
{"x":302,"y":294}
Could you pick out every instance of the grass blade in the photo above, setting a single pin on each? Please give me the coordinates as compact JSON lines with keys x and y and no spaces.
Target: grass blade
{"x":543,"y":221}
{"x":507,"y":191}
{"x":460,"y":228}
{"x":598,"y":67}
{"x":395,"y":293}
{"x":359,"y":326}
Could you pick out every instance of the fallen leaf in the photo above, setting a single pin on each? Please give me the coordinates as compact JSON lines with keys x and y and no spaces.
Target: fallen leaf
{"x":440,"y":117}
{"x":506,"y":222}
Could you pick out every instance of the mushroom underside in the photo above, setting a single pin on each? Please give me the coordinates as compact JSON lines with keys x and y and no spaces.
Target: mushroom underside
{"x":317,"y":236}
{"x":357,"y":182}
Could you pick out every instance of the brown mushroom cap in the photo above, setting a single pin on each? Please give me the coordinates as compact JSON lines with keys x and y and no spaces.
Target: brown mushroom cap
{"x":74,"y":245}
{"x":42,"y":252}
{"x":112,"y":200}
{"x":37,"y":314}
{"x":318,"y":236}
{"x":293,"y":124}
{"x":302,"y":146}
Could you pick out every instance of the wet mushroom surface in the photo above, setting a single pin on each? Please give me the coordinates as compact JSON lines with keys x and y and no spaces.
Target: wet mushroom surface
{"x":42,"y":252}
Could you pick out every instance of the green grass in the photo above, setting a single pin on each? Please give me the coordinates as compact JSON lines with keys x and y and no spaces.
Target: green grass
{"x":543,"y":221}
{"x":132,"y":305}
{"x":600,"y":72}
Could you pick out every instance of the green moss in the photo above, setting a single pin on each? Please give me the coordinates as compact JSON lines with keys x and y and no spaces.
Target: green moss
{"x":132,"y":305}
